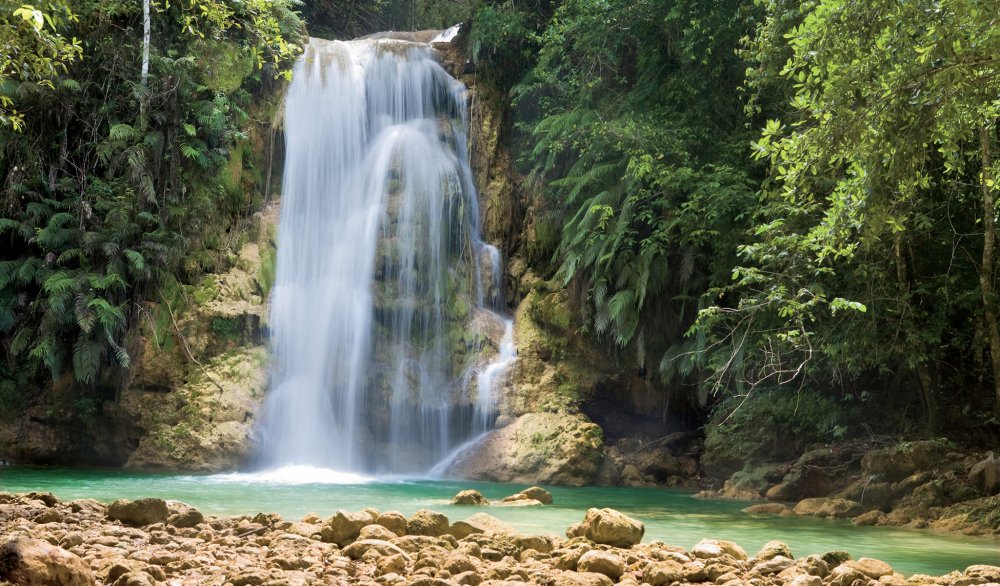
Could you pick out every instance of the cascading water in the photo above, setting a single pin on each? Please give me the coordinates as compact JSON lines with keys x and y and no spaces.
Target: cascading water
{"x":380,"y":269}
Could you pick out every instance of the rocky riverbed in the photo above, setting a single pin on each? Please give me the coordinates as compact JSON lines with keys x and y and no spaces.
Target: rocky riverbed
{"x":151,"y":542}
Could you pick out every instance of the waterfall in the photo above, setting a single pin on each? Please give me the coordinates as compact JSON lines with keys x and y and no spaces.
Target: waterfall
{"x":384,"y":294}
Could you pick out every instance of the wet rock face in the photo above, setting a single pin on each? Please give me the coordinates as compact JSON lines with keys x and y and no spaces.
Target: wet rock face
{"x":547,"y":448}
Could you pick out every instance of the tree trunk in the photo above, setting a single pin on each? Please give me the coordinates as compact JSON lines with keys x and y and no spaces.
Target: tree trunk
{"x":986,"y":275}
{"x":144,"y":98}
{"x":928,"y":390}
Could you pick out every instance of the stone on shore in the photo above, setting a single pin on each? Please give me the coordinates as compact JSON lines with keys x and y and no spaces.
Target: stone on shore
{"x":469,"y":497}
{"x":33,"y":561}
{"x":773,"y":549}
{"x":601,"y":562}
{"x":480,"y":523}
{"x":183,"y":515}
{"x":426,"y":522}
{"x":139,"y":513}
{"x":872,"y":568}
{"x":714,"y":548}
{"x":609,"y":527}
{"x":345,"y":526}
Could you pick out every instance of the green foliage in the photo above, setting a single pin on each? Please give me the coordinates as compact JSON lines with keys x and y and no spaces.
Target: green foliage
{"x":864,"y":261}
{"x":109,"y":186}
{"x":632,"y":120}
{"x":793,"y":420}
{"x":33,"y":49}
{"x":349,"y":19}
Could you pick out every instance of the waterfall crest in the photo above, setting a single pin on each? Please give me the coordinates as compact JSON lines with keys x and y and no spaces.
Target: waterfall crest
{"x":377,"y":363}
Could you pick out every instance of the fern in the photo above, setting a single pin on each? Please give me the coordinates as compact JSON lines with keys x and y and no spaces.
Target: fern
{"x":87,"y":355}
{"x":123,"y":133}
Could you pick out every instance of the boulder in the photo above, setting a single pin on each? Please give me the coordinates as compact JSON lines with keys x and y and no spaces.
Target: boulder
{"x":518,"y":500}
{"x":774,"y":565}
{"x":898,"y":462}
{"x":601,"y":562}
{"x":845,"y":576}
{"x":375,"y":531}
{"x":610,"y":527}
{"x":824,"y":507}
{"x":539,"y":494}
{"x":33,"y":561}
{"x":345,"y":526}
{"x":984,"y":572}
{"x":469,"y":497}
{"x":768,"y":509}
{"x":872,"y":568}
{"x":139,"y":513}
{"x":661,"y":573}
{"x":357,"y":549}
{"x":135,"y":579}
{"x":985,"y":475}
{"x":550,"y":448}
{"x":393,"y":521}
{"x":835,"y":557}
{"x":869,"y":518}
{"x":571,"y":578}
{"x":814,"y":474}
{"x":427,"y":522}
{"x":773,"y":549}
{"x":480,"y":523}
{"x":183,"y":515}
{"x":713,"y":548}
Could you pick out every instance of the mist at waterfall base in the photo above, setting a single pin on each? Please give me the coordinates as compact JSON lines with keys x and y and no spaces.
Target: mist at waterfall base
{"x":385,"y":296}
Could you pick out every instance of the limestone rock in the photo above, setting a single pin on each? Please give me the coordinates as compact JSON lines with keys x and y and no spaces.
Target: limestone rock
{"x":869,"y":518}
{"x":426,"y":522}
{"x":393,"y":521}
{"x":601,"y":562}
{"x":33,"y":561}
{"x":135,"y":579}
{"x":844,"y":576}
{"x":375,"y":531}
{"x":768,"y":509}
{"x":571,"y":578}
{"x":469,"y":497}
{"x":183,"y":515}
{"x":872,"y":568}
{"x":610,"y":527}
{"x":984,"y":572}
{"x":824,"y":507}
{"x":345,"y":526}
{"x":552,"y":448}
{"x":898,"y":462}
{"x":480,"y":523}
{"x":140,"y":512}
{"x":358,"y":549}
{"x":774,"y":565}
{"x":539,"y":494}
{"x":985,"y":475}
{"x":661,"y":573}
{"x":806,"y":580}
{"x":773,"y":549}
{"x":713,"y":548}
{"x":518,"y":500}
